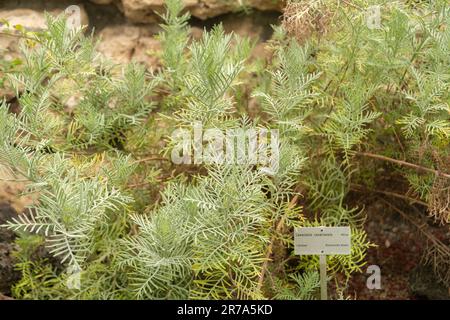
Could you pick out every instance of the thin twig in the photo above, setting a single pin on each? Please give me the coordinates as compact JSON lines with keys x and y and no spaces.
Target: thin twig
{"x":357,"y":187}
{"x":153,"y":158}
{"x":420,"y":225}
{"x":404,"y":163}
{"x":136,"y":185}
{"x":19,"y":36}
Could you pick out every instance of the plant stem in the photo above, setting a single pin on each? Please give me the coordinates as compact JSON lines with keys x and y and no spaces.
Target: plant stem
{"x":357,"y":187}
{"x":404,"y":163}
{"x":272,"y":241}
{"x":154,"y":158}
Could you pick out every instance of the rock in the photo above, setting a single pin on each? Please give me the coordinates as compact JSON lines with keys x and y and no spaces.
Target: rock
{"x":6,"y":93}
{"x":261,"y":51}
{"x":31,"y":20}
{"x":102,"y":1}
{"x":35,"y":20}
{"x":123,"y":44}
{"x":141,"y":10}
{"x":196,"y":33}
{"x":118,"y":42}
{"x":210,"y":8}
{"x":144,"y":10}
{"x":147,"y":51}
{"x":71,"y":103}
{"x":245,"y":26}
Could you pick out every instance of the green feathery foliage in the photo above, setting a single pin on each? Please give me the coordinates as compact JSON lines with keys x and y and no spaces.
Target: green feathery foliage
{"x":113,"y":213}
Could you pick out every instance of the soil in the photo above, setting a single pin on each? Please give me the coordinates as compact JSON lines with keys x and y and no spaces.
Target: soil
{"x":398,"y":253}
{"x":8,"y":276}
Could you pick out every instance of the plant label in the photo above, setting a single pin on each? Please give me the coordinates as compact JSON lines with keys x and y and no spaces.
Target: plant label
{"x":322,"y":240}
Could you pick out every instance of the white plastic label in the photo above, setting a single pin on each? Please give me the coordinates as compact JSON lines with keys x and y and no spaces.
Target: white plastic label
{"x":322,"y":240}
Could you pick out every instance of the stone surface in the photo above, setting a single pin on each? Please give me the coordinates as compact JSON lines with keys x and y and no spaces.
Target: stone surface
{"x":102,"y":1}
{"x":147,"y":51}
{"x":143,"y":10}
{"x":118,"y":42}
{"x":32,"y":20}
{"x":124,"y":43}
{"x":196,"y":33}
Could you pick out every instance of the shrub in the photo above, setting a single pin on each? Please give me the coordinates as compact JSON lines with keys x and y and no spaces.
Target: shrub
{"x":111,"y":208}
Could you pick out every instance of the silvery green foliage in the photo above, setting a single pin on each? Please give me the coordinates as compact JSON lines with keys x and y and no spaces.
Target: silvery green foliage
{"x":69,"y":212}
{"x":205,"y":235}
{"x":76,"y":199}
{"x":201,"y":238}
{"x":219,"y":225}
{"x":60,"y":67}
